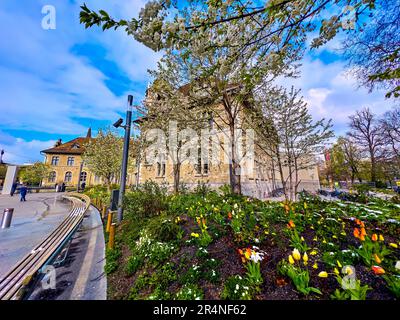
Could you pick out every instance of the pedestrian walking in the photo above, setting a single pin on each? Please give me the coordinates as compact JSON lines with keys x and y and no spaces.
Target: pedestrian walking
{"x":23,"y":191}
{"x":62,"y":187}
{"x":83,"y":185}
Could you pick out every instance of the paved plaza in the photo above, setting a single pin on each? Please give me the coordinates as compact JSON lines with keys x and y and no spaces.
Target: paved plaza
{"x":32,"y":222}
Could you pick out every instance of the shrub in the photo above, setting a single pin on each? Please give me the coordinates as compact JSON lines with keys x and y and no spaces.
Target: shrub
{"x":236,"y":288}
{"x":202,"y":189}
{"x":112,"y":256}
{"x":189,"y":292}
{"x":164,"y":229}
{"x":148,"y":200}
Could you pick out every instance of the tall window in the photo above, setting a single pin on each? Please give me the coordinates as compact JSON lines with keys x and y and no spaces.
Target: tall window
{"x":160,"y":169}
{"x":68,"y":176}
{"x":52,"y":176}
{"x":83,"y":176}
{"x":70,"y":161}
{"x":55,"y":160}
{"x":201,"y":167}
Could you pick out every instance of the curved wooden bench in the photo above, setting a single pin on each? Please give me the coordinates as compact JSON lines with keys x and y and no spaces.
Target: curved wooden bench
{"x":12,"y":286}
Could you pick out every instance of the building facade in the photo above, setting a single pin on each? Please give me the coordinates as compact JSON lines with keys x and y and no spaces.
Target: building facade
{"x":65,"y":160}
{"x":259,"y":180}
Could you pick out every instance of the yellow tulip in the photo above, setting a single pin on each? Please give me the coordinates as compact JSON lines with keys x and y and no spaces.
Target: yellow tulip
{"x":305,"y":257}
{"x":291,"y":261}
{"x":381,"y":238}
{"x":302,"y":239}
{"x":315,"y":265}
{"x":339,"y":264}
{"x":323,"y":274}
{"x":393,"y":245}
{"x":196,"y":235}
{"x":348,"y":270}
{"x":313,"y":253}
{"x":336,"y":271}
{"x":296,"y":254}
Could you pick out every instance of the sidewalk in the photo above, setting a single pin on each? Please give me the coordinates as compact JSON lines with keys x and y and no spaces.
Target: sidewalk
{"x":82,"y":276}
{"x":32,"y":221}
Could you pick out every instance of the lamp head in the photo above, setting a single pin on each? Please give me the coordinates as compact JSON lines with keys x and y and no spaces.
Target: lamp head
{"x":118,"y":123}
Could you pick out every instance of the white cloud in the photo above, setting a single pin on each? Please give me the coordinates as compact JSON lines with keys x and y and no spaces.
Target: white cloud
{"x":44,"y":86}
{"x":332,"y":92}
{"x":21,"y":151}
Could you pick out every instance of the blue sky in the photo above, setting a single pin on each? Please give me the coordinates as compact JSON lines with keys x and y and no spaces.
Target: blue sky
{"x":56,"y":83}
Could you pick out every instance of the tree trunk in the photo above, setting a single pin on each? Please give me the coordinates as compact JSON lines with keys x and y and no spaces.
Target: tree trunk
{"x":278,"y":156}
{"x":177,"y":176}
{"x":234,"y":166}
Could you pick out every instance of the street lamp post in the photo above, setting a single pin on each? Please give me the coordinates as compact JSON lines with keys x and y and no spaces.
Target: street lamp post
{"x":125,"y":155}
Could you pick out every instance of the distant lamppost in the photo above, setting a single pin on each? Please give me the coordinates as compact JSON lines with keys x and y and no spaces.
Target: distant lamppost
{"x":80,"y":176}
{"x":125,"y":155}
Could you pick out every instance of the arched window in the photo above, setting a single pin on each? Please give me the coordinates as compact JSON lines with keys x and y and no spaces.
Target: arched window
{"x":68,"y":176}
{"x":52,"y":176}
{"x":83,"y":176}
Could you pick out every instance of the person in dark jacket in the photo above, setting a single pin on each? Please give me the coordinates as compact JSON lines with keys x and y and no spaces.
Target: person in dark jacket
{"x":62,"y":187}
{"x":83,"y":186}
{"x":13,"y":188}
{"x":23,"y":191}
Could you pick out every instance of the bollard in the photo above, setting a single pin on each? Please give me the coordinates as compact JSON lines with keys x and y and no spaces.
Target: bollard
{"x":7,"y":217}
{"x":109,"y":220}
{"x":111,"y":236}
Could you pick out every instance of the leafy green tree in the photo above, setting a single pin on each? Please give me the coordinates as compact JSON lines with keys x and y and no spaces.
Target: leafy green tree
{"x":103,"y":156}
{"x":345,"y":159}
{"x":34,"y":174}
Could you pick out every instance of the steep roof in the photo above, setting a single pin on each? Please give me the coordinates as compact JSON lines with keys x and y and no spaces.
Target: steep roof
{"x":74,"y":146}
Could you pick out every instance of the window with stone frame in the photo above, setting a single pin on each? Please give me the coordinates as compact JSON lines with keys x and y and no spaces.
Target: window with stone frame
{"x":55,"y":160}
{"x":70,"y":161}
{"x":52,"y":176}
{"x":160,"y":169}
{"x":68,"y":176}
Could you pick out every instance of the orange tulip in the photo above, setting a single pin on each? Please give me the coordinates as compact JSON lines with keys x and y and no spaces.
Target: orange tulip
{"x":356,"y":232}
{"x":247,"y":254}
{"x":374,"y":237}
{"x":377,"y":259}
{"x":291,"y":224}
{"x":378,"y":270}
{"x":363,"y":233}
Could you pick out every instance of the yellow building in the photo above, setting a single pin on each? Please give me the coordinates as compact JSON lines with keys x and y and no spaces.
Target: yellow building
{"x":66,"y":163}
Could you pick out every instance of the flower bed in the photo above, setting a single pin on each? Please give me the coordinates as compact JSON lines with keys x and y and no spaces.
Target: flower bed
{"x":211,"y":246}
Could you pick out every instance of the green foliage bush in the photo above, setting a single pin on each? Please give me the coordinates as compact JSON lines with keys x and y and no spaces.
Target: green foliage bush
{"x":236,"y":288}
{"x":148,"y":200}
{"x":164,"y":228}
{"x":112,"y":256}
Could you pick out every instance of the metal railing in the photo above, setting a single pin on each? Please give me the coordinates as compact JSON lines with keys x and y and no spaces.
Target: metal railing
{"x":17,"y":282}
